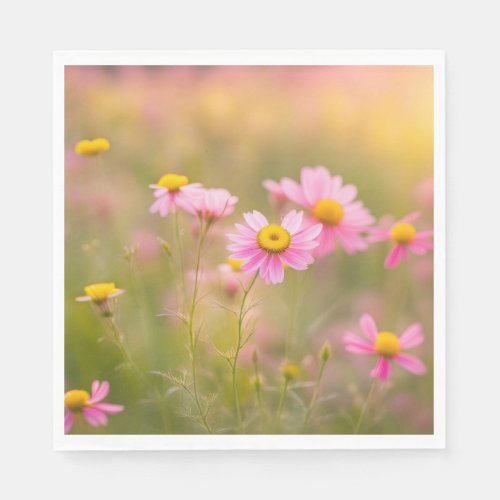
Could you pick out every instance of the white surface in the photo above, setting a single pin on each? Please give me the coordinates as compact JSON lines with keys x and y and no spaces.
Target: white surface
{"x":469,"y":34}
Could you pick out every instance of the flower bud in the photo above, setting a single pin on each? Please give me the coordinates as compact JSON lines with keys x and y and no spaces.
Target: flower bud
{"x":290,"y":371}
{"x":325,"y":353}
{"x":166,"y":248}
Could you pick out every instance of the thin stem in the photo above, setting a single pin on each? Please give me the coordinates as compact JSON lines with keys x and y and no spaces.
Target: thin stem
{"x":241,"y":317}
{"x":314,"y":395}
{"x":292,"y":318}
{"x":258,"y":392}
{"x":117,"y":338}
{"x":365,"y":406}
{"x":281,"y":403}
{"x":192,"y":337}
{"x":181,"y":257}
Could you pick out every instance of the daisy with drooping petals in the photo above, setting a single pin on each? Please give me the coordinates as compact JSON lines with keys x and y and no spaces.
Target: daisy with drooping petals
{"x":387,"y":346}
{"x":79,"y":403}
{"x":333,"y":205}
{"x":268,"y":247}
{"x":405,"y":237}
{"x":213,"y":203}
{"x":173,"y":191}
{"x":100,"y":294}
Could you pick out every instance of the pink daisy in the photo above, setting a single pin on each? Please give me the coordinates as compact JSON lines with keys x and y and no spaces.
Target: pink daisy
{"x":269,"y":247}
{"x":78,"y":403}
{"x":232,"y":277}
{"x":333,"y":205}
{"x":405,"y":237}
{"x":387,"y":346}
{"x":173,"y":191}
{"x":213,"y":203}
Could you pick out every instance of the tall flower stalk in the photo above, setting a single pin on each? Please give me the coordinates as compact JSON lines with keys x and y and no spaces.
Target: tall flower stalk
{"x":240,"y":342}
{"x":324,"y":356}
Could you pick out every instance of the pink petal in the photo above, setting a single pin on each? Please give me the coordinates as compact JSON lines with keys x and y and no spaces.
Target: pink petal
{"x":99,"y":392}
{"x":246,"y":231}
{"x":68,"y":421}
{"x":395,"y":256}
{"x":94,"y":416}
{"x":255,"y":220}
{"x":346,"y":194}
{"x":382,"y":369}
{"x":292,"y":221}
{"x":357,"y":345}
{"x":411,"y":363}
{"x":110,"y":408}
{"x":412,"y":336}
{"x":264,"y":268}
{"x":313,"y":185}
{"x":308,"y":234}
{"x":410,"y":217}
{"x":276,"y":271}
{"x":369,"y":327}
{"x":86,"y":298}
{"x":255,"y":262}
{"x":248,"y":253}
{"x":294,"y":192}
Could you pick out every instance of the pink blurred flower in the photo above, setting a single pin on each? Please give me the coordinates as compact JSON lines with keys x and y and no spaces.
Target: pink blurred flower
{"x":332,"y":205}
{"x":213,"y":203}
{"x":173,"y":191}
{"x":79,"y":403}
{"x":269,"y":247}
{"x":405,"y":237}
{"x":275,"y":190}
{"x":387,"y":346}
{"x":232,"y":277}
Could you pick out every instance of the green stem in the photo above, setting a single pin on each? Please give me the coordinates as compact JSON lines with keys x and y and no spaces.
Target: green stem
{"x":292,"y":318}
{"x":281,"y":403}
{"x":241,"y":318}
{"x":314,"y":395}
{"x":192,"y":337}
{"x":365,"y":407}
{"x":181,"y":257}
{"x":117,"y":338}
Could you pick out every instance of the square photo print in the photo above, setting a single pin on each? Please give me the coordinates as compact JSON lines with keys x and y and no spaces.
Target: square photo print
{"x":248,"y":255}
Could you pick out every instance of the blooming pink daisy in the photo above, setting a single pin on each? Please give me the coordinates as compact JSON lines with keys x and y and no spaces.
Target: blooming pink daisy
{"x":333,"y":206}
{"x":79,"y":403}
{"x":387,"y":346}
{"x":232,"y":277}
{"x":269,"y":247}
{"x":173,"y":191}
{"x":405,"y":237}
{"x":213,"y":203}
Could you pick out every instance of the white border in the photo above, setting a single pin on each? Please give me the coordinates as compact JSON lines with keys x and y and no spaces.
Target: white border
{"x":250,"y":442}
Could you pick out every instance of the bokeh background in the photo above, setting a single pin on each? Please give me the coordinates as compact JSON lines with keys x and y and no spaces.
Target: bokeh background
{"x":233,"y":127}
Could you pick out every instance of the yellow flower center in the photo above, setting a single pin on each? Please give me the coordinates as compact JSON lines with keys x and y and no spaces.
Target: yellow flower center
{"x":387,"y":344}
{"x":91,"y":148}
{"x":235,"y":264}
{"x":99,"y":292}
{"x":403,"y":233}
{"x":329,"y":212}
{"x":290,"y":371}
{"x":274,"y":238}
{"x":76,"y":400}
{"x":173,"y":182}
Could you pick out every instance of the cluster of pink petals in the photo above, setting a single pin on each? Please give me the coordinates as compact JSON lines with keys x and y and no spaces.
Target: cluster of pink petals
{"x":213,"y":203}
{"x":411,"y":337}
{"x":232,"y":281}
{"x":316,"y":184}
{"x":420,"y":244}
{"x":270,"y":265}
{"x":95,"y":411}
{"x":167,"y":201}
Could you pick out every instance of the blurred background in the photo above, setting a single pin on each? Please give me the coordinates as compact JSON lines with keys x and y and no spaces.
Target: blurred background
{"x":233,"y":127}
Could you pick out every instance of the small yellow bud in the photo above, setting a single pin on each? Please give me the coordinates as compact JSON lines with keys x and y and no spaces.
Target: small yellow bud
{"x":290,"y":371}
